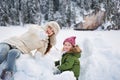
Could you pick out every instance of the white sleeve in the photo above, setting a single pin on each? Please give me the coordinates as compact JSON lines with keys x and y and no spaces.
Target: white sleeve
{"x":39,"y":32}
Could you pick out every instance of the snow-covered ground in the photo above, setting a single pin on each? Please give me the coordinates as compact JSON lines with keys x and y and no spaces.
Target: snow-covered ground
{"x":100,"y":58}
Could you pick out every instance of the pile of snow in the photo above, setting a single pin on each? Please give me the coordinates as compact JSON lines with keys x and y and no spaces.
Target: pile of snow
{"x":100,"y":58}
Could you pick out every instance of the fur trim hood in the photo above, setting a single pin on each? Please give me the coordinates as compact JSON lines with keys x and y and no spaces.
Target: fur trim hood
{"x":76,"y":51}
{"x":55,"y":26}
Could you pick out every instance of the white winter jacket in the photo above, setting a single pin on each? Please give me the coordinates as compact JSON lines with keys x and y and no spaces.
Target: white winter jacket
{"x":34,"y":38}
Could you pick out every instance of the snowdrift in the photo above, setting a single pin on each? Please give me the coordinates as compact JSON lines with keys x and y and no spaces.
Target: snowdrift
{"x":100,"y":58}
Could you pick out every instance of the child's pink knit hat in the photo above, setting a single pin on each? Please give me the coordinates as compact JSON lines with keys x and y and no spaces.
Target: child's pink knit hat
{"x":70,"y":40}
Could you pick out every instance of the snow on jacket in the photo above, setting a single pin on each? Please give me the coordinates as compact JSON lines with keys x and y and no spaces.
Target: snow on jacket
{"x":70,"y":62}
{"x":34,"y":38}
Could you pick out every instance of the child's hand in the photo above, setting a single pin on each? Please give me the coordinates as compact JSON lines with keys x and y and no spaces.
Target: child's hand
{"x":56,"y":71}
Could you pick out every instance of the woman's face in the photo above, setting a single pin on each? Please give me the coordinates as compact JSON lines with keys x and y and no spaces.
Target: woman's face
{"x":67,"y":46}
{"x":50,"y":31}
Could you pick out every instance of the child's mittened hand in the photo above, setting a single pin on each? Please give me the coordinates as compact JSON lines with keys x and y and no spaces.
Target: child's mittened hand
{"x":57,"y":63}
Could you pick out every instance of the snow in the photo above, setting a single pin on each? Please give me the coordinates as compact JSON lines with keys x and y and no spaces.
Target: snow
{"x":78,"y":17}
{"x":102,"y":7}
{"x":107,"y":24}
{"x":100,"y":58}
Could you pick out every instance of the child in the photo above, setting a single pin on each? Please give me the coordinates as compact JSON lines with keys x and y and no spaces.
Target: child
{"x":70,"y":58}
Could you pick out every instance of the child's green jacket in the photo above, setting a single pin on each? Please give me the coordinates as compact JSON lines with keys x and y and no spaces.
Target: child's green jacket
{"x":70,"y":62}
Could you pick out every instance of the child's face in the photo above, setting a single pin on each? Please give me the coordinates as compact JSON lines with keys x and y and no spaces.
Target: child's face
{"x":50,"y":31}
{"x":67,"y":46}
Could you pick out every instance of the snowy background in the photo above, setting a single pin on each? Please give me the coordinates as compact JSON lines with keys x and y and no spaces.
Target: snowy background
{"x":100,"y":58}
{"x":66,"y":12}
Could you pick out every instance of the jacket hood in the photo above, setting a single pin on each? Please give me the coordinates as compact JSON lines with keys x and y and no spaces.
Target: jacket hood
{"x":56,"y":29}
{"x":55,"y":26}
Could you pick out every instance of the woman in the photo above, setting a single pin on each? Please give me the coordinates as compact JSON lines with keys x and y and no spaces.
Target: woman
{"x":37,"y":37}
